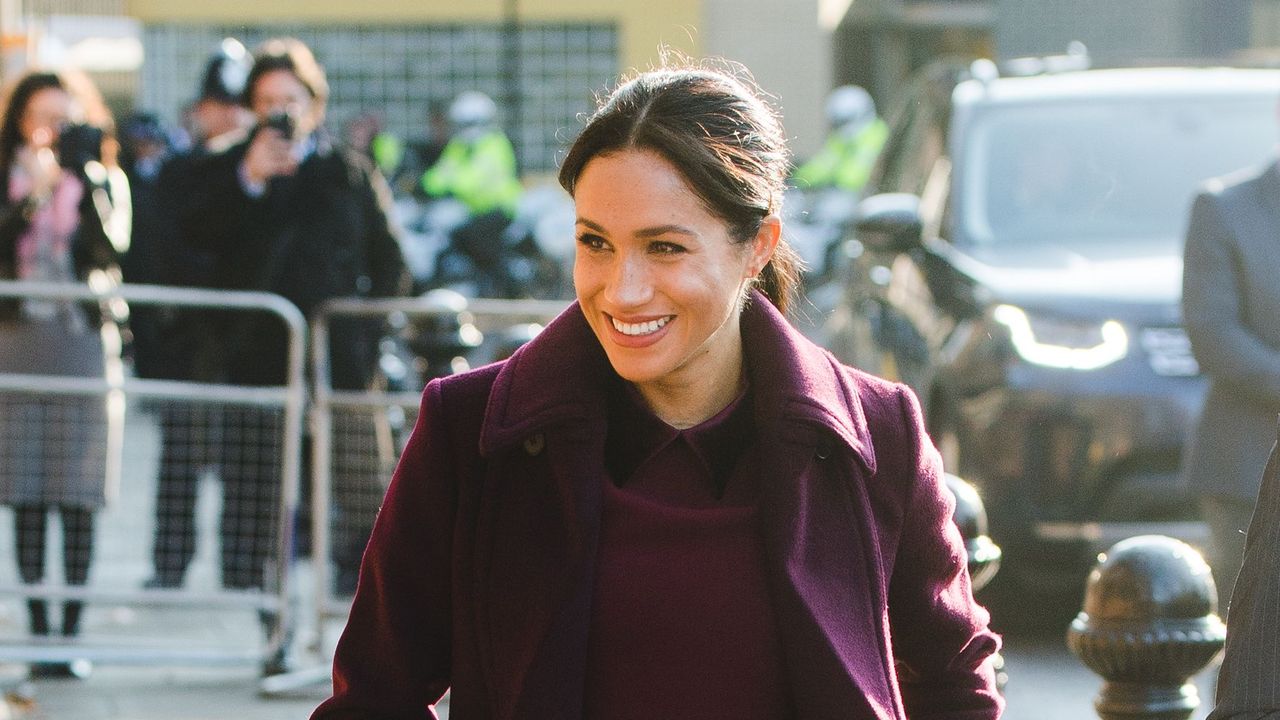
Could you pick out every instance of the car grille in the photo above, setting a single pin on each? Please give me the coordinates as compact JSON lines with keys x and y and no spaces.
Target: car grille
{"x":1169,"y":351}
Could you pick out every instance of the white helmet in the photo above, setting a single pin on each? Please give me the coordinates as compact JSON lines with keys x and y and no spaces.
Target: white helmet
{"x":472,"y":109}
{"x":850,"y":107}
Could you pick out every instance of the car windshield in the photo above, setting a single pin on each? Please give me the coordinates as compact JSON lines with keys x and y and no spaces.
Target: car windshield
{"x":1119,"y":169}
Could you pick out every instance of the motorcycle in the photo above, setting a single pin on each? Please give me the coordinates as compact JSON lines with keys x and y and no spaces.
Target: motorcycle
{"x":491,"y":255}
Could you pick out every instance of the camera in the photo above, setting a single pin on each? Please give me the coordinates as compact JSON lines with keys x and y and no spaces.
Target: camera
{"x":78,"y":145}
{"x":283,"y":122}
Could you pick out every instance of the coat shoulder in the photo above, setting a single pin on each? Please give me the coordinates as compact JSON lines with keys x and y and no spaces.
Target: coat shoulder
{"x":893,"y":415}
{"x":464,"y":397}
{"x":1239,"y":184}
{"x":470,"y":388}
{"x":881,"y":399}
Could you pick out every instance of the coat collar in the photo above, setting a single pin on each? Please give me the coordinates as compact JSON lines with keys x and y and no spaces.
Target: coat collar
{"x":1268,"y":182}
{"x":561,"y":375}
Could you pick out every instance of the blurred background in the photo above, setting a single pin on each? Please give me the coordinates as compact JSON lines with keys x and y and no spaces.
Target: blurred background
{"x":541,"y":60}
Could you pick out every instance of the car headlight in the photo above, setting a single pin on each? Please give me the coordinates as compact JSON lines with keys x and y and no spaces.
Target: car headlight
{"x":1059,"y":343}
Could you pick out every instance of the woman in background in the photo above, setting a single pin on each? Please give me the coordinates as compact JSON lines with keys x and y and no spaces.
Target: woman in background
{"x":59,"y":222}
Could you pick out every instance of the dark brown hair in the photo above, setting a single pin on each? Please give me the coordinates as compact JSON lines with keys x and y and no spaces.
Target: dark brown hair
{"x":716,"y":129}
{"x":17,"y":95}
{"x":293,"y":56}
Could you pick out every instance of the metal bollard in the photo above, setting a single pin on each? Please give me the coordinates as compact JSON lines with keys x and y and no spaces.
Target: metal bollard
{"x":1148,"y":625}
{"x":970,"y":516}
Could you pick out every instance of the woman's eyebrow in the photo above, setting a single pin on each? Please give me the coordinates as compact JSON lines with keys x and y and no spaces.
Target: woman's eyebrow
{"x":649,"y":232}
{"x":660,"y":230}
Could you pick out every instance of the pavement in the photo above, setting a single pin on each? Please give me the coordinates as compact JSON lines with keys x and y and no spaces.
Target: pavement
{"x":1045,"y":683}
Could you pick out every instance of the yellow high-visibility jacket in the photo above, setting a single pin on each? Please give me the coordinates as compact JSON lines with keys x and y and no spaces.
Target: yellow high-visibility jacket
{"x":481,"y":173}
{"x":844,"y":161}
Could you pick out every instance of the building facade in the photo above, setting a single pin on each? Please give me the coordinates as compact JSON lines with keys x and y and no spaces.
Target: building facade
{"x":543,"y":61}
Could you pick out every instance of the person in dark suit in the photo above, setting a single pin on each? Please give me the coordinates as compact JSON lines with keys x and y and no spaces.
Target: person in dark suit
{"x":1231,"y":308}
{"x":669,"y":503}
{"x":1249,"y":679}
{"x":287,"y":210}
{"x":173,"y":344}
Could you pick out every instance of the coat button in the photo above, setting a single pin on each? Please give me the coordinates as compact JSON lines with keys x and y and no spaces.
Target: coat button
{"x":534,"y":444}
{"x":824,"y":450}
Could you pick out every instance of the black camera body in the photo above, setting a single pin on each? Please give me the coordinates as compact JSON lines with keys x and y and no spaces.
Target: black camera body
{"x":282,"y":122}
{"x":78,"y":145}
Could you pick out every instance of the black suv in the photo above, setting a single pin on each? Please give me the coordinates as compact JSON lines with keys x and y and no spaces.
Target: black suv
{"x":1017,"y":261}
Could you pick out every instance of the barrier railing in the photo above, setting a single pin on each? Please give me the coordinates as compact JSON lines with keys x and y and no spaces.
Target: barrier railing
{"x":357,"y":435}
{"x":252,"y":434}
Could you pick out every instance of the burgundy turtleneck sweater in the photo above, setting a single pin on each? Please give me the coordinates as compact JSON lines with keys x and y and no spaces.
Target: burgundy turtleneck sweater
{"x":681,"y":623}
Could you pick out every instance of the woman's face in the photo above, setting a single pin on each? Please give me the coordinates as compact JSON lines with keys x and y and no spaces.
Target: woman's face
{"x":47,"y":112}
{"x":658,"y":276}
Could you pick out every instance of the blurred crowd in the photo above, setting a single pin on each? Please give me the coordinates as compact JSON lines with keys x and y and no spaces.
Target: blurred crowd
{"x":250,"y":192}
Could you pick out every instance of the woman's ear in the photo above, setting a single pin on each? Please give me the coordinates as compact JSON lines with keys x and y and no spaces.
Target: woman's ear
{"x":764,"y":243}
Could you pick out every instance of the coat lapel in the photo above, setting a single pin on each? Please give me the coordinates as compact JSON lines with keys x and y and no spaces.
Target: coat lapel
{"x":815,"y":460}
{"x":543,"y":441}
{"x":1268,"y":185}
{"x":542,"y":520}
{"x":826,"y":589}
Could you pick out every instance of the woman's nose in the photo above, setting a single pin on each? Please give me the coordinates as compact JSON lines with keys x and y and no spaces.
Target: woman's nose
{"x":630,"y":283}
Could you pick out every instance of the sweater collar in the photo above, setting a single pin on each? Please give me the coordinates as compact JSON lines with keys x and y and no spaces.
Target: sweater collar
{"x":562,"y":376}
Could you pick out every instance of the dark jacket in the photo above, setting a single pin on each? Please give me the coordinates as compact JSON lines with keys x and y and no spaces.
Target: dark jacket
{"x":171,"y":342}
{"x":1231,"y":307}
{"x":480,"y":571}
{"x":321,"y":233}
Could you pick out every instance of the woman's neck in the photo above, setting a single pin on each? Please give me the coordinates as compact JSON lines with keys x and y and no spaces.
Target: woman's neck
{"x":687,"y":402}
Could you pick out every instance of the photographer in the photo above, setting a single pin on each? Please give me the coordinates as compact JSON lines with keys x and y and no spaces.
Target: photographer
{"x":58,"y":223}
{"x":289,"y":212}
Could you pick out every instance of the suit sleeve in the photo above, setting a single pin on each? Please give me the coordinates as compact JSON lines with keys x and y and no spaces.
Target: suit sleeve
{"x":387,"y":271}
{"x":1224,"y":345}
{"x":1248,"y":683}
{"x":942,"y":646}
{"x":393,"y":661}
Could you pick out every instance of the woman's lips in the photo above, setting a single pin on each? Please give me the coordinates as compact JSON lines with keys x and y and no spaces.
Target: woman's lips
{"x":639,"y":333}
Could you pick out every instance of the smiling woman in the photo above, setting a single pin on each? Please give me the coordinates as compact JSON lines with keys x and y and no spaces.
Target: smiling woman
{"x":669,"y":503}
{"x":661,"y":284}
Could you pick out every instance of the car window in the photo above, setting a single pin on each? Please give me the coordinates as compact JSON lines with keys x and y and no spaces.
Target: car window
{"x":1102,"y":171}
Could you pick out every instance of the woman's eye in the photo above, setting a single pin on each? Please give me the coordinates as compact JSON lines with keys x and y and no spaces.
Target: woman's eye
{"x":591,"y":242}
{"x":666,"y":248}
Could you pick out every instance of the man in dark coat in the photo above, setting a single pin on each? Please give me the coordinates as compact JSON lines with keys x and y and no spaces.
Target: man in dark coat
{"x":1231,"y":306}
{"x":173,"y":344}
{"x":287,"y":211}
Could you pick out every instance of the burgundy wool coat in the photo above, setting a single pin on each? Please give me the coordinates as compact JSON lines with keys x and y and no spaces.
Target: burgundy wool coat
{"x":480,"y":570}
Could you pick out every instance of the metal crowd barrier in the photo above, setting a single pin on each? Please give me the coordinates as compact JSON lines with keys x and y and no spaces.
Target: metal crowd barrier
{"x":357,"y":435}
{"x":199,"y":619}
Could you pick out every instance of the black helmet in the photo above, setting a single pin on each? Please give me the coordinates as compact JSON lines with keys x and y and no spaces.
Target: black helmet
{"x":144,"y":127}
{"x":226,"y":72}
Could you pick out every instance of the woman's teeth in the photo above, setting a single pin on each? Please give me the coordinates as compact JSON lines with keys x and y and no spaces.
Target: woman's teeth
{"x":643,"y":328}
